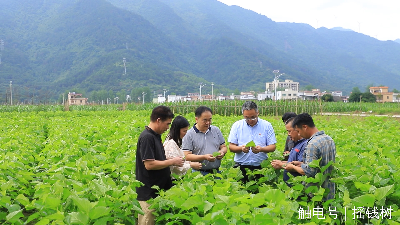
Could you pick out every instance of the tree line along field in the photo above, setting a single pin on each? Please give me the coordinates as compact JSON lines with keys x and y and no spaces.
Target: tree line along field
{"x":77,"y":167}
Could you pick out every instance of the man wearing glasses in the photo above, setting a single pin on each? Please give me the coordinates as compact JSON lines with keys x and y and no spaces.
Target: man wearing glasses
{"x":204,"y":143}
{"x":249,"y":129}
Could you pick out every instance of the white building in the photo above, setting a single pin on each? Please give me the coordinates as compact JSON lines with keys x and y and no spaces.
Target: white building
{"x":265,"y":95}
{"x":233,"y":96}
{"x":175,"y":98}
{"x":161,"y":99}
{"x":337,"y":93}
{"x":287,"y":94}
{"x":310,"y":95}
{"x":396,"y":97}
{"x":221,"y":97}
{"x":247,"y":96}
{"x":287,"y":84}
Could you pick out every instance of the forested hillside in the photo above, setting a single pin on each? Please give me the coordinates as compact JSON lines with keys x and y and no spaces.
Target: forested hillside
{"x":52,"y":47}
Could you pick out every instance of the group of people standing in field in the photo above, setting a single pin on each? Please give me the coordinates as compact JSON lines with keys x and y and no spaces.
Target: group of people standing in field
{"x":202,"y":146}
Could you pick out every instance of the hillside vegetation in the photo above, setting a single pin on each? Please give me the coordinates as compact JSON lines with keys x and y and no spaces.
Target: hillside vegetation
{"x":53,"y":47}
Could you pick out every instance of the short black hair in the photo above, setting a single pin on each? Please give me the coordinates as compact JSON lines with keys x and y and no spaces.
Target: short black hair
{"x":175,"y":130}
{"x":202,"y":109}
{"x":303,"y":119}
{"x":162,"y":112}
{"x":289,"y":120}
{"x":287,"y":116}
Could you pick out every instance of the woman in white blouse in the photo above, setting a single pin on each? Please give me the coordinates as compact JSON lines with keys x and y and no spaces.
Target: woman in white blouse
{"x":173,"y":143}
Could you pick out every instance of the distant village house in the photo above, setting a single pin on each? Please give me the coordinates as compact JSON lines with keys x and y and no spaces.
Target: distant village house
{"x":76,"y":99}
{"x":382,"y":94}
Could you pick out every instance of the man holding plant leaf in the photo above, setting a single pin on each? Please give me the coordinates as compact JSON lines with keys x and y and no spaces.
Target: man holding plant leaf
{"x":204,"y":143}
{"x":295,"y":154}
{"x":320,"y":148}
{"x":251,"y":139}
{"x":152,"y":167}
{"x":289,"y":144}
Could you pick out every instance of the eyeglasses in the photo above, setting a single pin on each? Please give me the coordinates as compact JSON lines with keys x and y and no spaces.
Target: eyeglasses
{"x":251,"y":119}
{"x":207,"y":121}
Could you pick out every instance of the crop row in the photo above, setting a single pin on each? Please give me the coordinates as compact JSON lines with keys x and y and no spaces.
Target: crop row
{"x":77,"y":167}
{"x":226,"y":108}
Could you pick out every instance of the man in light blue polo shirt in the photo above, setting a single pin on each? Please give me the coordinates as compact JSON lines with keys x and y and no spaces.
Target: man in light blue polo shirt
{"x":251,"y":128}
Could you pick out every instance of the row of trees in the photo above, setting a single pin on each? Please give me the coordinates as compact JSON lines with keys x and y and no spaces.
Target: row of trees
{"x":136,"y":95}
{"x":357,"y":96}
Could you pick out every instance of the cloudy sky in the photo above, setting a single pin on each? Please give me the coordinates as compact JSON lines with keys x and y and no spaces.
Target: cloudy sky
{"x":377,"y":18}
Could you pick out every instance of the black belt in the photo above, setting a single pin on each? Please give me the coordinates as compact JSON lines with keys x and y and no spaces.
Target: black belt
{"x":209,"y":171}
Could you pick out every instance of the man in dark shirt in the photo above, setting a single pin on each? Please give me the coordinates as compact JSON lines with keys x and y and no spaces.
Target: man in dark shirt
{"x":319,"y":147}
{"x":289,"y":143}
{"x":152,"y":167}
{"x":296,"y":153}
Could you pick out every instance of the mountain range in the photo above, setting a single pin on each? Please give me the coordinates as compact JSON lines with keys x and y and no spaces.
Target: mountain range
{"x":51,"y":47}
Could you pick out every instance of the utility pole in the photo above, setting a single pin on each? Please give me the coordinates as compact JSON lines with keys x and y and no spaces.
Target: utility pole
{"x":143,"y":93}
{"x":165,"y":90}
{"x":10,"y":92}
{"x":212,"y":90}
{"x":276,"y":80}
{"x":201,"y":85}
{"x":124,"y":61}
{"x":1,"y":48}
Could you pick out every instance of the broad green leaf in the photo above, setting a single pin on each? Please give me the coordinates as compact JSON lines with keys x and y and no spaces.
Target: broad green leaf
{"x":242,"y":208}
{"x":362,"y":187}
{"x":311,"y":189}
{"x":6,"y":186}
{"x":52,"y":202}
{"x":14,"y":216}
{"x":103,"y":221}
{"x":382,"y":192}
{"x":251,"y":144}
{"x":13,"y":207}
{"x":221,"y":221}
{"x":215,"y":154}
{"x":326,"y":166}
{"x":207,"y":206}
{"x":137,"y":209}
{"x":223,"y":198}
{"x":22,"y":199}
{"x":192,"y":202}
{"x":256,"y":200}
{"x":78,"y":218}
{"x":364,"y":201}
{"x":43,"y":222}
{"x":56,"y":216}
{"x":215,"y":214}
{"x":315,"y":163}
{"x":33,"y":217}
{"x":5,"y":200}
{"x":99,"y":211}
{"x":274,"y":195}
{"x":298,"y":187}
{"x":83,"y":204}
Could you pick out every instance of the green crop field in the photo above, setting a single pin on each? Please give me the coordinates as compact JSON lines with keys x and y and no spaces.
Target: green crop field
{"x":77,"y":167}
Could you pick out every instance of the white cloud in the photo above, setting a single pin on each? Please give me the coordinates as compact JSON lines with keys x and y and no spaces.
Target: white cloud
{"x":378,"y":19}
